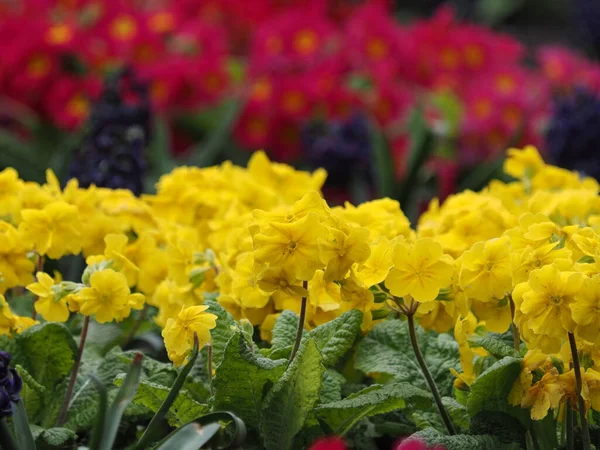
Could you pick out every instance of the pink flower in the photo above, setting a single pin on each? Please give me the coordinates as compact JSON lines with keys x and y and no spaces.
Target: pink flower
{"x":329,"y":443}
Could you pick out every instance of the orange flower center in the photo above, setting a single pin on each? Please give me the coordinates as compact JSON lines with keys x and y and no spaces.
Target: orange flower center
{"x":123,"y":28}
{"x":59,"y":34}
{"x":306,"y":42}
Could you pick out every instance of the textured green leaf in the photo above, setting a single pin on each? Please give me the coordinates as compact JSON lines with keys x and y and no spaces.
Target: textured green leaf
{"x":493,"y":385}
{"x":458,"y":413}
{"x":336,"y":337}
{"x":433,"y":437}
{"x":496,"y":347}
{"x":387,"y":350}
{"x":289,"y":402}
{"x":46,"y":352}
{"x":241,"y":378}
{"x":331,"y":387}
{"x":226,"y":327}
{"x":342,"y":415}
{"x":502,"y":425}
{"x":55,"y":437}
{"x":32,"y":394}
{"x":285,"y":329}
{"x":151,"y":395}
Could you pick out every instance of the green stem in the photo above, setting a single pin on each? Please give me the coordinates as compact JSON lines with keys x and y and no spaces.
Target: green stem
{"x":569,"y":427}
{"x":585,"y":431}
{"x":513,"y":326}
{"x":427,"y":375}
{"x":7,"y":440}
{"x":62,"y":416}
{"x":300,"y":329}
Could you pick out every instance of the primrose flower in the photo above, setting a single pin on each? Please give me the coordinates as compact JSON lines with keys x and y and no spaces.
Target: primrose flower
{"x":54,"y":231}
{"x":544,"y":395}
{"x":108,"y":297}
{"x":179,"y":332}
{"x":341,"y":250}
{"x":523,"y":163}
{"x":52,"y":306}
{"x":420,"y":271}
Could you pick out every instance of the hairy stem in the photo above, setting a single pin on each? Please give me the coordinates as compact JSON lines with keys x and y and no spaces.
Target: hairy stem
{"x":513,"y":325}
{"x":300,"y":325}
{"x":585,"y":430}
{"x":427,"y":375}
{"x":62,"y":416}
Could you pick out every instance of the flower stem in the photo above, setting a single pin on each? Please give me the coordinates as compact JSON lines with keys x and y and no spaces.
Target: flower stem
{"x":585,"y":431}
{"x":513,"y":325}
{"x":427,"y":375}
{"x":6,"y":437}
{"x":62,"y":416}
{"x":569,"y":427}
{"x":300,"y":325}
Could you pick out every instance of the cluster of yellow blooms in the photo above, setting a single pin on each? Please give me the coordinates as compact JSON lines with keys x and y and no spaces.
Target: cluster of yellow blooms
{"x":263,"y":238}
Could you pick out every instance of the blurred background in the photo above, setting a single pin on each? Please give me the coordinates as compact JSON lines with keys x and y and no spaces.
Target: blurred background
{"x":408,"y":99}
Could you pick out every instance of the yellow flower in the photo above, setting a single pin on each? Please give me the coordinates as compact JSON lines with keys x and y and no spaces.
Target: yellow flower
{"x":586,"y":310}
{"x":279,"y":280}
{"x":547,"y":304}
{"x":291,"y":246}
{"x":115,"y":251}
{"x":47,"y":304}
{"x":7,"y":318}
{"x":340,"y":250}
{"x":52,"y":231}
{"x":485,"y":272}
{"x":524,"y":261}
{"x":374,"y":270}
{"x":16,"y":268}
{"x":108,"y":297}
{"x":592,"y":381}
{"x":523,"y":163}
{"x":495,"y":313}
{"x":420,"y":271}
{"x":543,"y":395}
{"x":179,"y":332}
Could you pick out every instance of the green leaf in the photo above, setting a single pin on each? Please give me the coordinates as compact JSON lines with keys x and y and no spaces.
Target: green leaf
{"x":241,"y":379}
{"x":387,"y":350}
{"x":342,"y":415}
{"x":433,"y":437}
{"x":47,"y":352}
{"x":336,"y":337}
{"x":289,"y":402}
{"x":331,"y":387}
{"x":22,"y":430}
{"x":493,"y":385}
{"x":32,"y":393}
{"x":190,"y":437}
{"x":151,"y":395}
{"x":458,"y":413}
{"x":496,"y":347}
{"x":383,"y":167}
{"x":226,"y":327}
{"x":123,"y":398}
{"x":55,"y":437}
{"x":285,"y":329}
{"x":502,"y":425}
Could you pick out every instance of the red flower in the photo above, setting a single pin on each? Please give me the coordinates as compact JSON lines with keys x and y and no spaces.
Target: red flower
{"x":329,"y":443}
{"x":67,"y":102}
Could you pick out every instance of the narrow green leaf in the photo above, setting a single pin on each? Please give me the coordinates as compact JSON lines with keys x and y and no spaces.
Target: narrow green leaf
{"x":342,"y":415}
{"x":147,"y":437}
{"x":190,"y":437}
{"x":336,"y":337}
{"x":241,"y":378}
{"x":22,"y":430}
{"x":290,"y":401}
{"x":100,"y":414}
{"x":123,"y":398}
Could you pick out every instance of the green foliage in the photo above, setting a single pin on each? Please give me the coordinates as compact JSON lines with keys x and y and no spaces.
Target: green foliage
{"x":433,"y":437}
{"x":505,"y":427}
{"x":52,"y":437}
{"x":342,"y":415}
{"x":387,"y":350}
{"x":335,"y":338}
{"x":241,"y":379}
{"x":151,"y":396}
{"x":331,"y":386}
{"x":491,"y":388}
{"x":284,"y":330}
{"x":496,"y":347}
{"x":289,"y":402}
{"x":226,"y":327}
